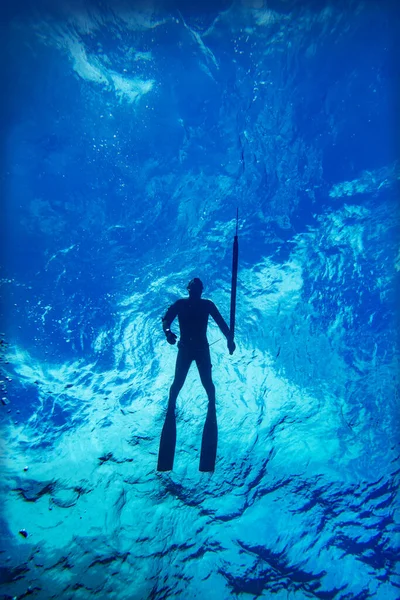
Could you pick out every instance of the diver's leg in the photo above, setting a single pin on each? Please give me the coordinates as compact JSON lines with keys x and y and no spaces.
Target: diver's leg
{"x":210,"y":432}
{"x":166,"y":451}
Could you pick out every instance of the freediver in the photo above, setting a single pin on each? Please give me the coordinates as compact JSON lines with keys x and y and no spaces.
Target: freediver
{"x":192,"y":315}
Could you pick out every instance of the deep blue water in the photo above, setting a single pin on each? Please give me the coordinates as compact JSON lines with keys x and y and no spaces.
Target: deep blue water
{"x":131,"y":133}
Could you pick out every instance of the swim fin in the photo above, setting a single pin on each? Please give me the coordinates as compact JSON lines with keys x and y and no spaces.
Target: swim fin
{"x":166,"y":451}
{"x":209,"y":442}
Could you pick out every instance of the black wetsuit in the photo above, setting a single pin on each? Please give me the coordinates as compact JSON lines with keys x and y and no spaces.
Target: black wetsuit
{"x":193,"y":316}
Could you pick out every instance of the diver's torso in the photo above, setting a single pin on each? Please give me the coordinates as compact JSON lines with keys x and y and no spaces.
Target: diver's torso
{"x":193,"y":319}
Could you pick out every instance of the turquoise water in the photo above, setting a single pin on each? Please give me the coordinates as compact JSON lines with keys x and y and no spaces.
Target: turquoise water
{"x":131,"y":134}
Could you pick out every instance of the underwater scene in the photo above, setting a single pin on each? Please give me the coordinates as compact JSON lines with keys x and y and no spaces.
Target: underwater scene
{"x":252,"y":145}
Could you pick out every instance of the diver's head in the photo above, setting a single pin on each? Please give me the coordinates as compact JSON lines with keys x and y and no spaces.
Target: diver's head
{"x":195,"y":288}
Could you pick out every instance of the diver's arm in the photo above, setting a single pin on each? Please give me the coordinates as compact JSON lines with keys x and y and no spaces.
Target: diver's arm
{"x":220,"y":321}
{"x":167,"y":322}
{"x":166,"y":325}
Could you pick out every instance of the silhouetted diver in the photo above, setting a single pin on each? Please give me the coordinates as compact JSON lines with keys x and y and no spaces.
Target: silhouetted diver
{"x":192,"y":315}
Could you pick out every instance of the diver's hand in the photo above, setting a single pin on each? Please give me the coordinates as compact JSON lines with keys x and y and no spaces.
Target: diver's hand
{"x":231,"y":346}
{"x":171,"y":337}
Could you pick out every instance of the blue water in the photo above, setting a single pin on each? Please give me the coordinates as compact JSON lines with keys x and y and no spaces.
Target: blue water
{"x":131,"y":133}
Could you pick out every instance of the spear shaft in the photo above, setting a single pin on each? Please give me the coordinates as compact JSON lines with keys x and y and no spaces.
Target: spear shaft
{"x":235,"y":257}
